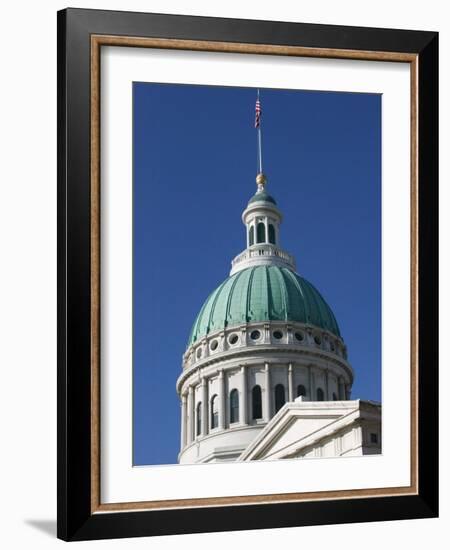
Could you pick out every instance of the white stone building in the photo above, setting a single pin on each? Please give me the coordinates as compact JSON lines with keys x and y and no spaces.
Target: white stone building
{"x":265,"y":374}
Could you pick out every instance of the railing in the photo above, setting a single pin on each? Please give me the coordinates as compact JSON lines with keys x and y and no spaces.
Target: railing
{"x":263,"y":250}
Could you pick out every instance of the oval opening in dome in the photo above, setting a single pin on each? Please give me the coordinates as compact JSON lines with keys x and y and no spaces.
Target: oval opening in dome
{"x":214,"y":345}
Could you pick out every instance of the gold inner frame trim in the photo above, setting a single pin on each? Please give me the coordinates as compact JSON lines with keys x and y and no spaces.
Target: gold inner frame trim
{"x":97,"y":41}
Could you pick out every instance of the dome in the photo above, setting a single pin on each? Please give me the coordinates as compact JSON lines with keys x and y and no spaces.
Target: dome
{"x":263,"y":293}
{"x":262,"y":196}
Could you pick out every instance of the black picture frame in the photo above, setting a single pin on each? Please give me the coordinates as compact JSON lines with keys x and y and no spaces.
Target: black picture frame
{"x":75,"y":477}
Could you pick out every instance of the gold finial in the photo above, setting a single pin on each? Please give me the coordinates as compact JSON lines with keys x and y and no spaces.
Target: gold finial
{"x":261,"y":179}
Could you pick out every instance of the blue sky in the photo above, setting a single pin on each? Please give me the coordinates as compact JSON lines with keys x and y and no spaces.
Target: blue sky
{"x":194,"y":160}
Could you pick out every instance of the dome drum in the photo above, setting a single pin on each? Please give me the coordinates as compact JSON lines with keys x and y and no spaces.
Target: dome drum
{"x":218,"y":426}
{"x":275,"y":334}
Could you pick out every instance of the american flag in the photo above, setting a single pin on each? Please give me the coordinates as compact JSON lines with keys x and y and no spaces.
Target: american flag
{"x":257,"y":114}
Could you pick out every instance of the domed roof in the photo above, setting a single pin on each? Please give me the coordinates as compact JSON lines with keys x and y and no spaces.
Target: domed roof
{"x":263,"y":293}
{"x":262,"y":196}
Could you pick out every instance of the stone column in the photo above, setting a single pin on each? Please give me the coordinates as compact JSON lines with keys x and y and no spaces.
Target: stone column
{"x":290,"y":383}
{"x":341,"y":388}
{"x":268,"y":392}
{"x":204,"y":385}
{"x":243,"y":405}
{"x":183,"y":420}
{"x":190,"y":415}
{"x":222,"y":401}
{"x":327,"y":384}
{"x":266,"y":225}
{"x":348,"y":391}
{"x":311,"y":384}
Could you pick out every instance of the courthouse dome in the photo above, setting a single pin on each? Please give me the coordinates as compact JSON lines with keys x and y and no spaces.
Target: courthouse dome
{"x":263,"y":293}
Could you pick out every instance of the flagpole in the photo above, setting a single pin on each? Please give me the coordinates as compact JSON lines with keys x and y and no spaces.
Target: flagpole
{"x":259,"y":143}
{"x":260,"y":150}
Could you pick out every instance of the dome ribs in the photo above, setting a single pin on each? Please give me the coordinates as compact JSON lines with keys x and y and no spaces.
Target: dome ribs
{"x":213,"y":301}
{"x":306,"y":318}
{"x":230,"y":297}
{"x":260,"y":294}
{"x":248,"y":311}
{"x":281,"y":313}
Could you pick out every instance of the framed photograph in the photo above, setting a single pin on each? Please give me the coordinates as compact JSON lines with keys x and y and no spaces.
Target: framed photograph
{"x":247,"y":274}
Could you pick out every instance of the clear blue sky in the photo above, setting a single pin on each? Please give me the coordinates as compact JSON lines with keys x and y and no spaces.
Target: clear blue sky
{"x":194,"y":161}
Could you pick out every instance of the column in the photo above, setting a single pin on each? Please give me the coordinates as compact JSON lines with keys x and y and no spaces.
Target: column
{"x":341,"y":388}
{"x":311,"y":384}
{"x":222,"y":402}
{"x":290,"y":383}
{"x":348,"y":391}
{"x":268,"y":392}
{"x":327,"y":384}
{"x":190,"y":415}
{"x":204,"y":385}
{"x":243,"y":404}
{"x":183,"y":421}
{"x":266,"y":225}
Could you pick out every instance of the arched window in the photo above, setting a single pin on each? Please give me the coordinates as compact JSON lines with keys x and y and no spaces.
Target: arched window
{"x":320,"y":394}
{"x":234,"y":406}
{"x":301,"y":390}
{"x":251,"y":235}
{"x":334,"y":397}
{"x":214,"y":412}
{"x":271,"y":234}
{"x":256,"y":402}
{"x":260,"y":233}
{"x":280,"y":398}
{"x":199,"y":418}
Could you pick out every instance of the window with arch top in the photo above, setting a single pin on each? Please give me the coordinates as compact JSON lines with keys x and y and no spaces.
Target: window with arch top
{"x":256,"y":403}
{"x":271,"y":234}
{"x":301,"y":390}
{"x":280,"y":397}
{"x":214,"y":412}
{"x":251,"y":236}
{"x":320,"y":394}
{"x":234,"y":406}
{"x":199,"y":418}
{"x":260,"y":233}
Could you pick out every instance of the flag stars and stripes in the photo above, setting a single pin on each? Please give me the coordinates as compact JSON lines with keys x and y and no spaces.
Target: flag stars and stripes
{"x":257,"y":114}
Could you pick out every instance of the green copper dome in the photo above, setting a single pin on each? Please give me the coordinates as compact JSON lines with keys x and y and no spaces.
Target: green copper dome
{"x":262,"y":196}
{"x":263,"y":293}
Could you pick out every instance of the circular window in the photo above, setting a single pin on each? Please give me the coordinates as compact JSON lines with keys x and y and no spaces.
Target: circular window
{"x":199,"y":353}
{"x":233,"y":339}
{"x":278,"y":335}
{"x":299,"y":336}
{"x":255,"y":335}
{"x":214,"y":345}
{"x":317,"y":340}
